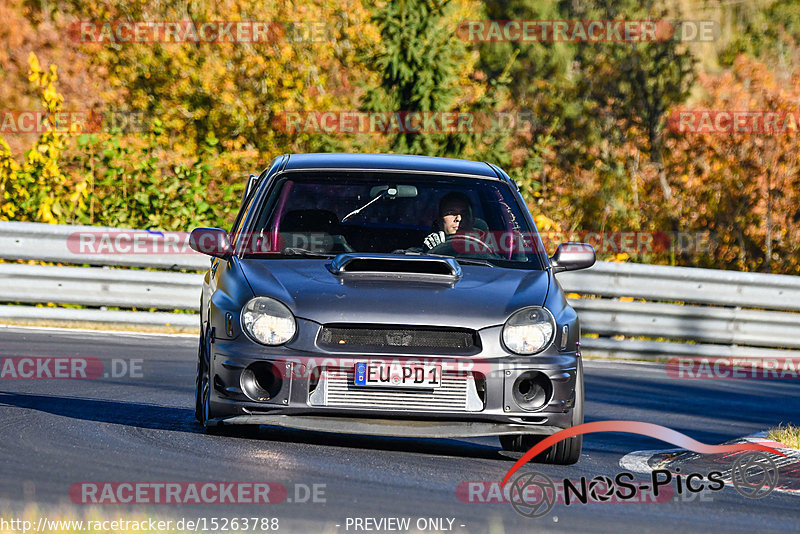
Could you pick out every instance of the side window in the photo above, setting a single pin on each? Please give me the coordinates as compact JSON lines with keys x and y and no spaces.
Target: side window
{"x":247,"y":203}
{"x":237,"y":224}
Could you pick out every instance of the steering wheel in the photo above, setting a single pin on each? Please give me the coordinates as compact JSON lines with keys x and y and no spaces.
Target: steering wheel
{"x":464,"y":245}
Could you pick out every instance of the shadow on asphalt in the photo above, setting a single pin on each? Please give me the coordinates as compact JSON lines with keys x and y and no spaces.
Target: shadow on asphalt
{"x":761,"y":403}
{"x":104,"y":411}
{"x":155,"y":417}
{"x":756,"y":403}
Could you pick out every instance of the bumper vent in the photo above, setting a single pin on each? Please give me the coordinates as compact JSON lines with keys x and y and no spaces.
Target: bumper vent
{"x":377,"y":339}
{"x":336,"y":389}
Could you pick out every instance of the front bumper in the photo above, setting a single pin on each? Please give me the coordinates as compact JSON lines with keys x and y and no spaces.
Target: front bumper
{"x":390,"y":427}
{"x":293,"y":404}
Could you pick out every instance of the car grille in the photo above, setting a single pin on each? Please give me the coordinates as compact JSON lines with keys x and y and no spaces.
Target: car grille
{"x":386,"y":339}
{"x":456,"y":394}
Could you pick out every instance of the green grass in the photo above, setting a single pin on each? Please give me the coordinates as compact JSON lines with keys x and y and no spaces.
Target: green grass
{"x":789,"y":435}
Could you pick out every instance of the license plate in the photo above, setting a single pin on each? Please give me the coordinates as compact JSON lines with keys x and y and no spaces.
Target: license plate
{"x":398,"y":375}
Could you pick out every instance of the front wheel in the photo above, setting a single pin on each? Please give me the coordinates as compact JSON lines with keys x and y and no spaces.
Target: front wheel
{"x":198,"y":383}
{"x":565,"y":452}
{"x":202,"y":392}
{"x":205,"y":417}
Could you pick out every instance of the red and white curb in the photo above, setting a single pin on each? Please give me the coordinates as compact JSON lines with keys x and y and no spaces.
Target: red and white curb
{"x":788,"y":466}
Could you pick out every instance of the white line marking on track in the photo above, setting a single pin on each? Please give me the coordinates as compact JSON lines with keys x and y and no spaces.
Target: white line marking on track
{"x":62,"y":330}
{"x":637,"y":461}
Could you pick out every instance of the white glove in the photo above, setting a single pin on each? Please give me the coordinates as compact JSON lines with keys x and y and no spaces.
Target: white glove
{"x":436,"y":238}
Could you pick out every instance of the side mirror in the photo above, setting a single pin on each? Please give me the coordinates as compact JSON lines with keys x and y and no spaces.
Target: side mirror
{"x":211,"y":241}
{"x":572,"y":256}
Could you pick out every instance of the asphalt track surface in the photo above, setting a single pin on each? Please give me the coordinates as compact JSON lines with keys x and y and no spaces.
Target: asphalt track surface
{"x":56,"y":433}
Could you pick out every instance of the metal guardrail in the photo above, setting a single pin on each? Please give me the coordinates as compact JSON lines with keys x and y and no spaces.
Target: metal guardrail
{"x":686,"y":284}
{"x":688,"y":311}
{"x":731,"y":326}
{"x":87,"y":245}
{"x":93,"y":286}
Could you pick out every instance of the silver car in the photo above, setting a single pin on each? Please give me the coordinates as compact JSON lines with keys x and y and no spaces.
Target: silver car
{"x":389,"y":295}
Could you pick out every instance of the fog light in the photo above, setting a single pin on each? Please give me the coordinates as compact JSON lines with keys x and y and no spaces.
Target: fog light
{"x":532,"y":390}
{"x":261,"y":381}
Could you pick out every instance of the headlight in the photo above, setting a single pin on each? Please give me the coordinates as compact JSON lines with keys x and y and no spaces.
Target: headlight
{"x":268,"y":322}
{"x":529,"y":330}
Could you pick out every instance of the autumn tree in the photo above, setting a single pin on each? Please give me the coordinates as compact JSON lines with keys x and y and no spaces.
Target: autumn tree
{"x":743,"y":186}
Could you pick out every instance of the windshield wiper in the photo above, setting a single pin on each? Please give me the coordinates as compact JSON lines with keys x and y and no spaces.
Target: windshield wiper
{"x":391,"y":191}
{"x":294,"y":251}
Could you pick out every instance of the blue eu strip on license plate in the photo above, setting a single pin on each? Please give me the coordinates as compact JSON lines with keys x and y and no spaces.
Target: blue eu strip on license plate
{"x":361,"y":374}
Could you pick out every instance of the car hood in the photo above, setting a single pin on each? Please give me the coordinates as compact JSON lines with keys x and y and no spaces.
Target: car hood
{"x":481,"y":297}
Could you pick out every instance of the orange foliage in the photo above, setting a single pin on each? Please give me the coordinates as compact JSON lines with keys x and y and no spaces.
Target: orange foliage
{"x":740,"y":186}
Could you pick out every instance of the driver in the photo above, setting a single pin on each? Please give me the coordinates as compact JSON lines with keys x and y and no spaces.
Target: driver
{"x":455,"y":214}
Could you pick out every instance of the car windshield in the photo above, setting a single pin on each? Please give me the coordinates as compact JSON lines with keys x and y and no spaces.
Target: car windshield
{"x":321,"y":215}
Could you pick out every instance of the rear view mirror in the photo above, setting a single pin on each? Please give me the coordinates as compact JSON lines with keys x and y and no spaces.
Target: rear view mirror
{"x":211,"y":241}
{"x":398,"y":191}
{"x":572,"y":256}
{"x":384,"y":191}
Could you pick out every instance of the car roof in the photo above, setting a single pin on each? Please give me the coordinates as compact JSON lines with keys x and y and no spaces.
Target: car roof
{"x":388,"y":162}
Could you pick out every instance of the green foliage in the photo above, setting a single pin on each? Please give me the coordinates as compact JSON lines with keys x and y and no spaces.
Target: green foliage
{"x":764,"y":31}
{"x":421,"y":64}
{"x":235,"y":90}
{"x":417,"y":60}
{"x":31,"y":191}
{"x":8,"y":173}
{"x":633,"y":86}
{"x":532,"y":61}
{"x":596,"y":155}
{"x":599,"y":113}
{"x":131,"y":186}
{"x":113,"y":181}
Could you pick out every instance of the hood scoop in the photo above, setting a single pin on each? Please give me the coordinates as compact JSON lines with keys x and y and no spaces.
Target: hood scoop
{"x":393,"y":267}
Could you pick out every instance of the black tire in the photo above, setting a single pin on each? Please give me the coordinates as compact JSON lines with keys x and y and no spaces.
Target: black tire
{"x":202,"y":410}
{"x":202,"y":392}
{"x":565,"y":452}
{"x":216,"y":429}
{"x":198,"y":400}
